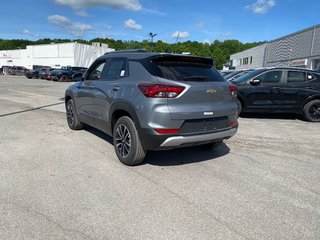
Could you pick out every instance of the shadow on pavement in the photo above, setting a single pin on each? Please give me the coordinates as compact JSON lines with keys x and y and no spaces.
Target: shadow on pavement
{"x":183,"y":156}
{"x":173,"y":157}
{"x":289,"y":116}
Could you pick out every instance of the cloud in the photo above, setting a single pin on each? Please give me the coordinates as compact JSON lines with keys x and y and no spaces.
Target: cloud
{"x":200,"y":25}
{"x":178,"y":34}
{"x":76,"y":29}
{"x":132,"y":24}
{"x":153,"y":11}
{"x":261,"y":6}
{"x":206,"y":41}
{"x":117,"y":4}
{"x":28,"y":32}
{"x":82,"y":13}
{"x":226,"y":35}
{"x":107,"y":26}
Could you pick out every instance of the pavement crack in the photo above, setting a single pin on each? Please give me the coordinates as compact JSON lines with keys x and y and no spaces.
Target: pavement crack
{"x":48,"y":219}
{"x":30,"y":109}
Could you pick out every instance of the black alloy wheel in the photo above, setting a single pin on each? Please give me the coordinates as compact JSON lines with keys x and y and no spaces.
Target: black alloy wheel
{"x":72,"y":118}
{"x":312,"y":110}
{"x":126,"y":142}
{"x":123,"y":140}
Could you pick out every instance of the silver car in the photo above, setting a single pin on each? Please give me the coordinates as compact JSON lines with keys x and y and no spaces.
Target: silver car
{"x":153,"y":101}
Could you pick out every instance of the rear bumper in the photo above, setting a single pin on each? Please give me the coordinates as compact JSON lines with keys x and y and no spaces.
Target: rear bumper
{"x":177,"y":141}
{"x":150,"y":140}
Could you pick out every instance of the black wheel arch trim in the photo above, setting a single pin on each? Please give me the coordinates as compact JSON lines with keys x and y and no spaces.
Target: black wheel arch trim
{"x":310,"y":98}
{"x":123,"y":106}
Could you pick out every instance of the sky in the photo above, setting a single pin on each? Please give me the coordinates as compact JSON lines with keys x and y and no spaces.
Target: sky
{"x":172,"y":20}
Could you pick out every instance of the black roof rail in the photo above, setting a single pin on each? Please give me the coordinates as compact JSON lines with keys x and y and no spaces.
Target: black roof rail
{"x":142,"y":50}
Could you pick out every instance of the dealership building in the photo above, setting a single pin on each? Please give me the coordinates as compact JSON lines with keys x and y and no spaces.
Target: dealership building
{"x":54,"y":55}
{"x":300,"y":49}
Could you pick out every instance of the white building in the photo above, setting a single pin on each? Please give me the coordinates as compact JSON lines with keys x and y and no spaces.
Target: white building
{"x":54,"y":55}
{"x":300,"y":49}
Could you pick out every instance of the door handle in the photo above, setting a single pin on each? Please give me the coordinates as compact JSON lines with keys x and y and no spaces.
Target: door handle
{"x":116,"y":88}
{"x":276,"y":90}
{"x":91,"y":87}
{"x":312,"y":88}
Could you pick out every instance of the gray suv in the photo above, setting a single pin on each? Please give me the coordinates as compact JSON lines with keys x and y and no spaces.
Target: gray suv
{"x":153,"y":101}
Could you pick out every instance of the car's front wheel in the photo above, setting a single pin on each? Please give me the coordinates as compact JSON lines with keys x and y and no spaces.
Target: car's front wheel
{"x":126,"y":142}
{"x":72,"y":117}
{"x":312,"y":111}
{"x":63,"y":78}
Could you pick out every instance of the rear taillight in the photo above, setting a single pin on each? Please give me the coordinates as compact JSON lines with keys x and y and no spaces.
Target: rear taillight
{"x":233,"y":123}
{"x":160,"y":90}
{"x":233,"y":89}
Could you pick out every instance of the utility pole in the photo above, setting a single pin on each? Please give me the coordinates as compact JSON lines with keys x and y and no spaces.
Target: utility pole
{"x":177,"y":37}
{"x":152,"y":35}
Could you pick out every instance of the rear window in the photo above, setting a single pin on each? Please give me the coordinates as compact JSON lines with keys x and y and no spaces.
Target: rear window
{"x":184,"y":69}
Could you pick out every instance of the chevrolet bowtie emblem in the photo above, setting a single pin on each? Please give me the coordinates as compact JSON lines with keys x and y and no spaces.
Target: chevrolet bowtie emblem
{"x":211,"y":91}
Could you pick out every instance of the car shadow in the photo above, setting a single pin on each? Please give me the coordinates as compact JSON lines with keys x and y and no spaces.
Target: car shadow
{"x":98,"y":133}
{"x":288,"y":116}
{"x":182,"y":156}
{"x":173,"y":157}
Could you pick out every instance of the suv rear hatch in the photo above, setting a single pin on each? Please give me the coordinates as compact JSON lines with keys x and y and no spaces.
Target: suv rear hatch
{"x":206,"y":95}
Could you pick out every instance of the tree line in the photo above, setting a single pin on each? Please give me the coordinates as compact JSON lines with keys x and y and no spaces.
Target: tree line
{"x":219,"y":50}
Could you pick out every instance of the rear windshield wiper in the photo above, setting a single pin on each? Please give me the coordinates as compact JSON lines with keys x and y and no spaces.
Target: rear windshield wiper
{"x":195,"y":78}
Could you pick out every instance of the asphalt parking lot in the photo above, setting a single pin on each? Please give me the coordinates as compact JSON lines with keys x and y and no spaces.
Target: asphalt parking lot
{"x":56,"y":183}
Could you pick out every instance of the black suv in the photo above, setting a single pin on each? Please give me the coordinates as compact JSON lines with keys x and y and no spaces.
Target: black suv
{"x":66,"y":73}
{"x":153,"y":101}
{"x":291,"y":90}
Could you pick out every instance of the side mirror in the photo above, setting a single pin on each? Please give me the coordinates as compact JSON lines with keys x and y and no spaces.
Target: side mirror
{"x":77,"y":77}
{"x":255,"y":81}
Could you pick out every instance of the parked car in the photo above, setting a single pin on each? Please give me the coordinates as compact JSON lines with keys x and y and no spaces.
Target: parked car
{"x":17,"y":70}
{"x":152,"y":101}
{"x":65,"y":73}
{"x":290,"y":90}
{"x":36,"y":73}
{"x":13,"y":70}
{"x":225,"y":72}
{"x":235,"y":74}
{"x":46,"y":74}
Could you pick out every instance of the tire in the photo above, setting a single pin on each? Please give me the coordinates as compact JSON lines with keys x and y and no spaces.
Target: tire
{"x":312,"y":111}
{"x":209,"y":146}
{"x":63,"y":78}
{"x":239,"y":106}
{"x":72,"y":117}
{"x":126,"y":142}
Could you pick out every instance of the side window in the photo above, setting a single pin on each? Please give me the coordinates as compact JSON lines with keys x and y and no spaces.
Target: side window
{"x":96,"y":74}
{"x":116,"y":69}
{"x":296,"y":76}
{"x":270,"y":77}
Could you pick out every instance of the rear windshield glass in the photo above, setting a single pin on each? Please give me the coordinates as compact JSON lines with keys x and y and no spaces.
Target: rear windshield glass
{"x":184,"y":71}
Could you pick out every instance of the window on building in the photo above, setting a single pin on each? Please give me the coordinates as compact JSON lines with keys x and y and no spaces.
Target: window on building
{"x":245,"y":61}
{"x":251,"y":60}
{"x":240,"y":61}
